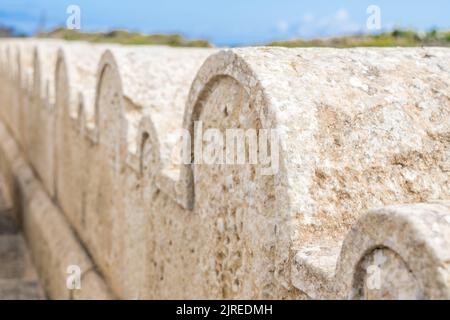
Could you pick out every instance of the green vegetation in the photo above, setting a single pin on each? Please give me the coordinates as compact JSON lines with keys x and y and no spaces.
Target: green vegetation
{"x":126,"y":37}
{"x":396,"y":38}
{"x":7,"y":32}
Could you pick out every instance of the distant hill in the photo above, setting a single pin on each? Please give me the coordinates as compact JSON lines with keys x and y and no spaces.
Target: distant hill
{"x":396,"y":38}
{"x":7,"y":32}
{"x":125,"y":37}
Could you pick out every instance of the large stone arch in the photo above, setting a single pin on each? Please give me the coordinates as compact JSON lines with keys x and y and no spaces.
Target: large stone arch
{"x":42,"y":114}
{"x":410,"y":243}
{"x":242,"y":225}
{"x":102,"y":207}
{"x":68,"y":157}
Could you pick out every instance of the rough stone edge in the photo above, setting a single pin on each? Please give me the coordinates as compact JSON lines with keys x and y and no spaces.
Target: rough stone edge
{"x":417,"y":233}
{"x":52,"y":242}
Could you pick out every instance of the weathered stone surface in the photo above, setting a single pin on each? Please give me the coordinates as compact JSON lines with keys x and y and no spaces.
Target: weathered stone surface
{"x":12,"y":250}
{"x":395,"y":252}
{"x":93,"y":288}
{"x":52,"y":241}
{"x":20,"y":290}
{"x":414,"y":240}
{"x":358,"y":129}
{"x":8,"y":219}
{"x":18,"y":279}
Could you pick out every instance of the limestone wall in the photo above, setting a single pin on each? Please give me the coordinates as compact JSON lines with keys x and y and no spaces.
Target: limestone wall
{"x":361,"y":187}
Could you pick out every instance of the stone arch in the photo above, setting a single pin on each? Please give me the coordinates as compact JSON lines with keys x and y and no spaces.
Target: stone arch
{"x":219,"y":66}
{"x":382,"y":274}
{"x":232,"y":213}
{"x":26,"y":77}
{"x":146,"y":150}
{"x":16,"y":89}
{"x":413,"y":257}
{"x":42,"y":114}
{"x":104,"y":156}
{"x":67,"y":166}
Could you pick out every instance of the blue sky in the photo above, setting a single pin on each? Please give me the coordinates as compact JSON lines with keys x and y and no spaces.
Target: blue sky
{"x":231,"y":22}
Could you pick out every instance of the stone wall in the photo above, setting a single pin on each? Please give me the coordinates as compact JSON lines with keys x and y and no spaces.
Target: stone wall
{"x":356,"y":205}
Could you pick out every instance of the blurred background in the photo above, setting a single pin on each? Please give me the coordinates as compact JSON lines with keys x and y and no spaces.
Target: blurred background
{"x":233,"y":22}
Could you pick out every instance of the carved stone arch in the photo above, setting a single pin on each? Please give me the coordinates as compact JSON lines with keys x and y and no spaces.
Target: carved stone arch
{"x":382,"y":273}
{"x":62,"y":108}
{"x":26,"y":76}
{"x":147,"y":149}
{"x":41,"y":115}
{"x":67,"y":161}
{"x":235,"y":202}
{"x":409,"y":246}
{"x":103,"y":209}
{"x":16,"y":89}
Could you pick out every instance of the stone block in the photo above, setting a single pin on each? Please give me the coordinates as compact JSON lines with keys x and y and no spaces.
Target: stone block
{"x":93,"y":151}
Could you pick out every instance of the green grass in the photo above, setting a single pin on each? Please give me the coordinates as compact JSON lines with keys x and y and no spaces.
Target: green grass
{"x":396,"y":38}
{"x":125,"y":37}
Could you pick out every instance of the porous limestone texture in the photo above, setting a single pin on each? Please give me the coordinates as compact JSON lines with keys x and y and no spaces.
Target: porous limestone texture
{"x":18,"y":279}
{"x":53,"y":245}
{"x":355,"y":207}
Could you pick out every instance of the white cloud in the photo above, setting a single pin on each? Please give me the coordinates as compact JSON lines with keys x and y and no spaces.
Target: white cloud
{"x":337,"y":24}
{"x":307,"y":18}
{"x":341,"y":15}
{"x":310,"y":26}
{"x":283,"y":26}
